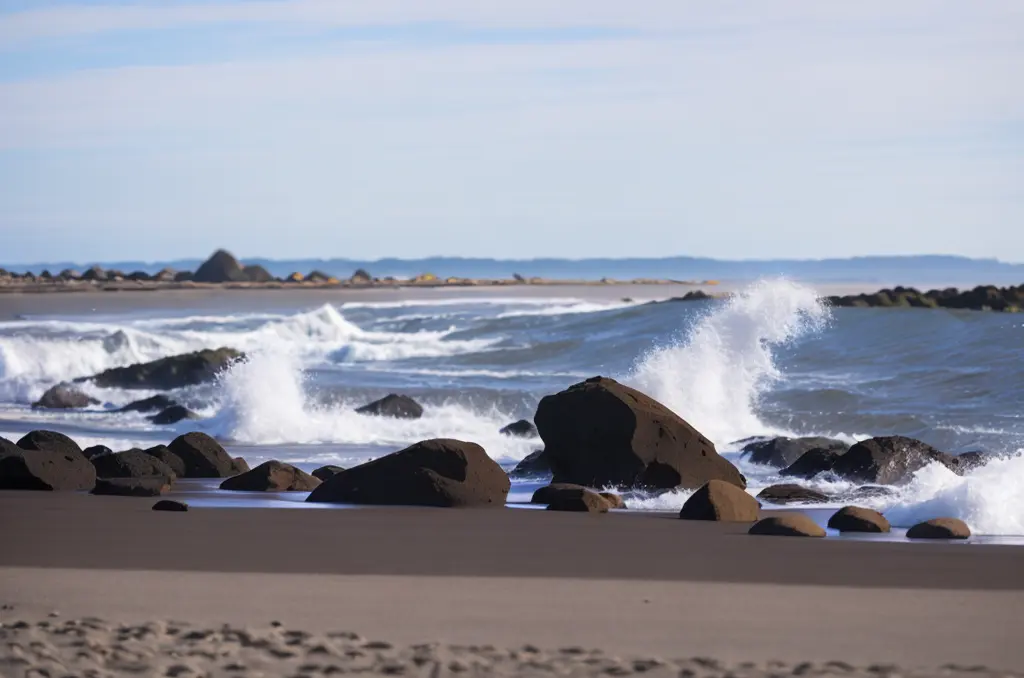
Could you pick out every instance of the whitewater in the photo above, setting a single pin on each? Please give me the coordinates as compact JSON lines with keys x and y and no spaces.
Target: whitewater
{"x":771,"y":360}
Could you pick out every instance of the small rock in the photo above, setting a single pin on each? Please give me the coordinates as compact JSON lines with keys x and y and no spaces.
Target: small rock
{"x":790,"y":493}
{"x":722,"y":501}
{"x":857,"y":519}
{"x":325,"y":472}
{"x":64,"y":397}
{"x":521,"y":429}
{"x":788,"y":525}
{"x":172,"y":415}
{"x":272,"y":476}
{"x":393,"y":405}
{"x":170,"y":505}
{"x":940,"y":528}
{"x":577,"y":499}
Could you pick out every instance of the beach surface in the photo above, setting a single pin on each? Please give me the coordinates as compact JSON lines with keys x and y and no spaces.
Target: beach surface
{"x":632,"y":585}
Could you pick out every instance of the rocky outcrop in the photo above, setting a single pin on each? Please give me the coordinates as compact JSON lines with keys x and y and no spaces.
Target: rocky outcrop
{"x":601,"y":433}
{"x":968,"y":461}
{"x":169,"y":373}
{"x":172,"y":415}
{"x":221,"y":267}
{"x":271,"y":476}
{"x":96,"y":450}
{"x":522,"y":429}
{"x":888,"y":460}
{"x":202,"y":456}
{"x":532,"y":465}
{"x":857,"y":519}
{"x":174,"y":462}
{"x":325,"y":472}
{"x":811,"y":463}
{"x":940,"y":528}
{"x":577,"y":499}
{"x":440,"y":472}
{"x":132,"y":463}
{"x":132,"y":487}
{"x":788,"y":525}
{"x":791,"y":494}
{"x":393,"y":405}
{"x":721,"y":501}
{"x":257,"y":274}
{"x":155,"y":404}
{"x":361,"y":277}
{"x":981,"y":298}
{"x":44,"y":460}
{"x":170,"y":505}
{"x":64,"y":397}
{"x":782,"y":452}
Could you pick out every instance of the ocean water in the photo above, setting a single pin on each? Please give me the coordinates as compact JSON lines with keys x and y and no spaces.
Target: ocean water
{"x":772,"y":360}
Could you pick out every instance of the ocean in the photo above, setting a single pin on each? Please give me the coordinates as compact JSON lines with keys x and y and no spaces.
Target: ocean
{"x":771,"y":360}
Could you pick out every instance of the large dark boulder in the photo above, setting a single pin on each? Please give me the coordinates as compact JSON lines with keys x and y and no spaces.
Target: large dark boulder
{"x":600,"y":432}
{"x":788,"y":525}
{"x":156,"y":403}
{"x":578,"y":499}
{"x":221,"y":267}
{"x":811,"y":463}
{"x":271,"y":476}
{"x":393,"y":405}
{"x":202,"y":456}
{"x":968,"y":461}
{"x":521,"y":429}
{"x":543,"y":495}
{"x":169,"y":373}
{"x":438,"y":472}
{"x":940,"y":528}
{"x":721,"y":501}
{"x":857,"y":519}
{"x":257,"y":274}
{"x":328,"y":471}
{"x":532,"y":465}
{"x":64,"y":397}
{"x":888,"y":461}
{"x":44,"y":460}
{"x":788,"y":493}
{"x":96,"y":450}
{"x":174,"y":462}
{"x":172,"y":415}
{"x":133,"y":487}
{"x":782,"y":452}
{"x":132,"y":463}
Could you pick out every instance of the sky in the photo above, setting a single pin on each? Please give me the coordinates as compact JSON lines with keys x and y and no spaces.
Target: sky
{"x":577,"y":128}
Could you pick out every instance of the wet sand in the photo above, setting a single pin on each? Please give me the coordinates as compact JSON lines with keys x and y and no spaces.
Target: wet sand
{"x":629,"y":584}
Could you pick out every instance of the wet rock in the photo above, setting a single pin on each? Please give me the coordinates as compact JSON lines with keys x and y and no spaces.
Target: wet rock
{"x":257,"y":274}
{"x":221,"y":267}
{"x":64,"y":397}
{"x":887,"y":460}
{"x":981,"y":298}
{"x":202,"y":456}
{"x":169,"y":373}
{"x":132,"y":463}
{"x":173,"y":461}
{"x":172,"y":415}
{"x":45,"y":460}
{"x":393,"y":405}
{"x":325,"y":472}
{"x":440,"y":472}
{"x":811,"y":463}
{"x":154,"y":404}
{"x":543,"y":495}
{"x":170,"y":505}
{"x":96,"y":450}
{"x":271,"y":476}
{"x":721,"y":501}
{"x":532,"y":465}
{"x":239,"y":465}
{"x":614,"y":501}
{"x":857,"y":519}
{"x":600,"y":433}
{"x":577,"y":499}
{"x":782,"y":452}
{"x":788,"y":525}
{"x":968,"y":461}
{"x":940,"y":528}
{"x":788,"y":494}
{"x":133,"y":487}
{"x":521,"y":429}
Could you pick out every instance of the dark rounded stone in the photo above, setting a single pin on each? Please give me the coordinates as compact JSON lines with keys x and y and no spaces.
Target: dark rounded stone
{"x":45,"y":460}
{"x":154,"y":404}
{"x":271,"y":476}
{"x":64,"y":397}
{"x":221,"y":267}
{"x":532,"y":465}
{"x":789,"y":494}
{"x":96,"y":450}
{"x":164,"y":454}
{"x":325,"y":472}
{"x":782,"y":452}
{"x":170,"y":373}
{"x":172,"y":415}
{"x":940,"y":528}
{"x":857,"y":519}
{"x":393,"y":405}
{"x":202,"y":456}
{"x":521,"y":429}
{"x":577,"y":499}
{"x":131,"y":464}
{"x":543,"y":495}
{"x":788,"y":525}
{"x":888,"y":460}
{"x":132,"y":487}
{"x":811,"y":463}
{"x":721,"y":501}
{"x":170,"y":505}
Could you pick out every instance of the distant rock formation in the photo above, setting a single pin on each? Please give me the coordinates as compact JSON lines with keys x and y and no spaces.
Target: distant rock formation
{"x":222,"y":267}
{"x":168,"y":373}
{"x":981,"y":298}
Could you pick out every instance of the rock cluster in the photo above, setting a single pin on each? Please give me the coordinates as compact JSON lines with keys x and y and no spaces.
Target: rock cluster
{"x":981,"y":298}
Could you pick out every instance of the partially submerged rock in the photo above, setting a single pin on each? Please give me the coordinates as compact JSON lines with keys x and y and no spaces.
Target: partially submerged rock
{"x":522,"y":429}
{"x":271,"y":476}
{"x":782,"y":452}
{"x":601,"y":433}
{"x":788,"y":525}
{"x":393,"y":405}
{"x":156,"y":403}
{"x":857,"y":519}
{"x":64,"y":397}
{"x":811,"y":463}
{"x":721,"y":501}
{"x":439,"y":472}
{"x":532,"y":465}
{"x":174,"y":372}
{"x":788,"y":493}
{"x":325,"y":472}
{"x":940,"y":528}
{"x":578,"y":499}
{"x":172,"y":415}
{"x":45,"y":460}
{"x":202,"y":456}
{"x":888,"y":460}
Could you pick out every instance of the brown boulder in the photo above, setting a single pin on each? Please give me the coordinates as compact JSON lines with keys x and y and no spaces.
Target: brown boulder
{"x":543,"y":495}
{"x":722,"y":501}
{"x":173,"y":461}
{"x":45,"y":460}
{"x":578,"y":499}
{"x":202,"y":456}
{"x":788,"y":493}
{"x":788,"y":525}
{"x":132,"y":463}
{"x":857,"y":519}
{"x":64,"y":397}
{"x":177,"y":371}
{"x":132,"y":487}
{"x":782,"y":452}
{"x":441,"y":472}
{"x":271,"y":476}
{"x":940,"y":528}
{"x":888,"y":460}
{"x":614,"y":500}
{"x":600,"y":433}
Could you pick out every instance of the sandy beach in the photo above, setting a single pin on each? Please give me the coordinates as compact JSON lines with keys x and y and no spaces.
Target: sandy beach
{"x":643,"y":585}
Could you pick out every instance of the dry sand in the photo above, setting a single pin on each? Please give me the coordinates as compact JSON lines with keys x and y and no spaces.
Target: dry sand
{"x":632,"y":585}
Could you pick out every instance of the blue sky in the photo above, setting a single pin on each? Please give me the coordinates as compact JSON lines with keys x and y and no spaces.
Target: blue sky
{"x":580,"y":128}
